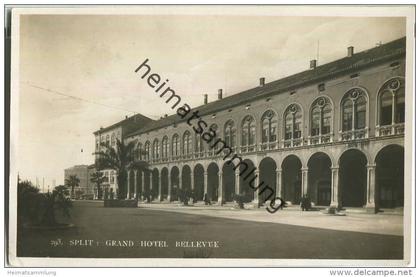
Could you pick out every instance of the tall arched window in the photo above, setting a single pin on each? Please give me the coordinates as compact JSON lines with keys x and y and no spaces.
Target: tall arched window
{"x":230,"y":133}
{"x":139,"y":150}
{"x":186,"y":143}
{"x":175,"y":146}
{"x":113,"y":139}
{"x":392,"y":102}
{"x":293,"y":122}
{"x":147,"y":151}
{"x":269,"y":126}
{"x":165,"y":146}
{"x":353,"y":106}
{"x":199,"y":146}
{"x":213,"y":128}
{"x":156,"y":149}
{"x":248,"y":131}
{"x":321,"y":117}
{"x":107,"y":140}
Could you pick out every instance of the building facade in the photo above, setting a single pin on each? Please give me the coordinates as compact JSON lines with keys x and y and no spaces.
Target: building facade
{"x":334,"y":132}
{"x":109,"y":136}
{"x":83,"y":173}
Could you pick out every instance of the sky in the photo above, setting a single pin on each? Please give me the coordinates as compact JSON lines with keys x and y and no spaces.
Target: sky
{"x":93,"y":58}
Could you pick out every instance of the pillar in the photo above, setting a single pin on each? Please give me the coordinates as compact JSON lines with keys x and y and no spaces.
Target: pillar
{"x":143,"y":186}
{"x":334,"y":188}
{"x":150,"y":185}
{"x":256,"y":191}
{"x":128,"y":183}
{"x":192,"y":179}
{"x":237,"y":182}
{"x":279,"y":174}
{"x":180,"y":178}
{"x":169,"y":186}
{"x":135,"y":184}
{"x":160,"y":186}
{"x":205,"y":183}
{"x":220,"y":198}
{"x":304,"y":171}
{"x":370,"y":186}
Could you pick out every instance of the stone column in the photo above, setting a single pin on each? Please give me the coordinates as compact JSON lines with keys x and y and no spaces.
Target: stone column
{"x":150,"y":185}
{"x":220,"y":198}
{"x":334,"y":188}
{"x":279,"y":174}
{"x":135,"y":184}
{"x":370,"y":186}
{"x":205,"y":183}
{"x":143,"y":186}
{"x":180,"y":179}
{"x":192,"y":180}
{"x":237,"y":181}
{"x":169,"y":186}
{"x":256,"y":200}
{"x":128,"y":183}
{"x":304,"y":180}
{"x":160,"y":187}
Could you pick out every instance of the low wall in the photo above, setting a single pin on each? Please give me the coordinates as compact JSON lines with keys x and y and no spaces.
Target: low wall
{"x":113,"y":203}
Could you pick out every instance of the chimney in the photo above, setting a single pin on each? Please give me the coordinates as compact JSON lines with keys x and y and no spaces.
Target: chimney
{"x":312,"y":64}
{"x":206,"y":97}
{"x":350,"y":51}
{"x":126,"y":116}
{"x":262,"y":81}
{"x":166,"y":115}
{"x":220,"y":94}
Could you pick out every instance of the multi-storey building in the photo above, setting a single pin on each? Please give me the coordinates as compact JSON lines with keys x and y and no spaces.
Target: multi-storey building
{"x":82,"y":172}
{"x":334,"y":132}
{"x":110,"y":135}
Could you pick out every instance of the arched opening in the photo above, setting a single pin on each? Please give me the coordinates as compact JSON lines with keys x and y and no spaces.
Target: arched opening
{"x":155,"y":184}
{"x":174,"y":184}
{"x":390,"y":176}
{"x":245,"y":182}
{"x":319,"y":179}
{"x":292,"y":179}
{"x":213,"y":182}
{"x":147,"y":184}
{"x":199,"y":182}
{"x":186,"y":178}
{"x":268,"y":176}
{"x":352,"y":178}
{"x":140,"y":184}
{"x":228,"y":181}
{"x":164,"y":183}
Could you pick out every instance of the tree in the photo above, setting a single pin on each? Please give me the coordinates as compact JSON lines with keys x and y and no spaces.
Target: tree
{"x":58,"y":199}
{"x":120,"y":158}
{"x":28,"y":201}
{"x":72,"y":181}
{"x":98,"y":178}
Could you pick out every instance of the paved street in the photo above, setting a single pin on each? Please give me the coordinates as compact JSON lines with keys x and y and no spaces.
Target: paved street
{"x":248,"y":238}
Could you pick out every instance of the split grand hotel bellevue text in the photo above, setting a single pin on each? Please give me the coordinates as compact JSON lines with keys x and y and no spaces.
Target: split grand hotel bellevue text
{"x":334,"y":132}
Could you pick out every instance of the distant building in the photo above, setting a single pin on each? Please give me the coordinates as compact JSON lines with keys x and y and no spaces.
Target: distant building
{"x":83,"y":173}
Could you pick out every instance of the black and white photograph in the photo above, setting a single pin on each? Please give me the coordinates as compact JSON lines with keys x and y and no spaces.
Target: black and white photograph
{"x":207,"y":136}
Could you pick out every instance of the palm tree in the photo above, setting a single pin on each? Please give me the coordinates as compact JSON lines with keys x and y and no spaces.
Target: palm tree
{"x":72,"y":181}
{"x":98,"y":178}
{"x":120,"y":158}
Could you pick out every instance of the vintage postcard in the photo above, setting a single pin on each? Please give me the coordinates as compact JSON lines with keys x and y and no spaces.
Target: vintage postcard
{"x":232,"y":136}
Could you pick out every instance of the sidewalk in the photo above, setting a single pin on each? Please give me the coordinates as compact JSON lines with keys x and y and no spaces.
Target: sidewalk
{"x":358,"y":222}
